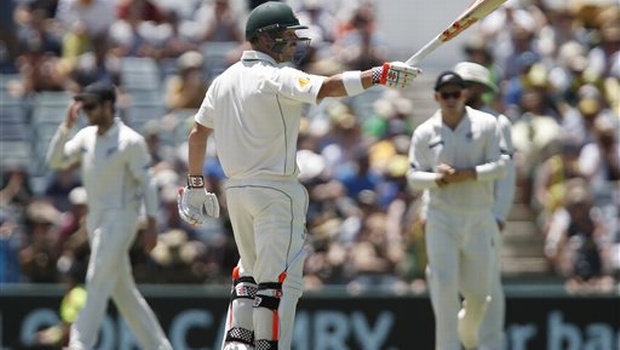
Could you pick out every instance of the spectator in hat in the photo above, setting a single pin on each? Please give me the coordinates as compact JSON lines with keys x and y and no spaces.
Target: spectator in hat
{"x":599,"y":161}
{"x":38,"y":257}
{"x":187,"y":88}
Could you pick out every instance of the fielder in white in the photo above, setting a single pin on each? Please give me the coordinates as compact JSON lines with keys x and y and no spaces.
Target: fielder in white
{"x":254,"y":110}
{"x":116,"y":174}
{"x":477,"y":78}
{"x":455,"y":155}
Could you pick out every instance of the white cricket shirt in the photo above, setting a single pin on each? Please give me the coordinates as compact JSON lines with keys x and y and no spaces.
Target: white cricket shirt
{"x":254,"y":109}
{"x":115,"y":166}
{"x":474,"y":143}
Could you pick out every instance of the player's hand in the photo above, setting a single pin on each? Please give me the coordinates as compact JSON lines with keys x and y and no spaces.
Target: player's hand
{"x":395,"y":74}
{"x":451,"y":175}
{"x":73,"y":113}
{"x":195,"y":203}
{"x":445,"y":169}
{"x":149,"y":235}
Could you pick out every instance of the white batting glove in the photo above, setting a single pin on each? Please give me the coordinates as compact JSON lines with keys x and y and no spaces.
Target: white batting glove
{"x":395,"y":74}
{"x":195,"y":203}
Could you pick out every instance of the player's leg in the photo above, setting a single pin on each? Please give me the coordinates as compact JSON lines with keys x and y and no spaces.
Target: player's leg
{"x":492,"y":326}
{"x":135,"y":310}
{"x":443,"y":253}
{"x":106,"y":250}
{"x":130,"y":303}
{"x":477,"y":270}
{"x":280,"y":235}
{"x":239,"y":333}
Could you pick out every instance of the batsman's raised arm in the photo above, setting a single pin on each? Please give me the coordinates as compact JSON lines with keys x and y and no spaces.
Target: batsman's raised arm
{"x":350,"y":83}
{"x":63,"y":151}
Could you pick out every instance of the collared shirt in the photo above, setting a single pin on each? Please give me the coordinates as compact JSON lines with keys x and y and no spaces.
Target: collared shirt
{"x":254,"y":109}
{"x":474,"y":143}
{"x":115,"y":166}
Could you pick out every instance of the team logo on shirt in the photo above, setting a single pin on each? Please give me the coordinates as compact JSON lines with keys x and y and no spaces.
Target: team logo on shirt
{"x":303,"y":81}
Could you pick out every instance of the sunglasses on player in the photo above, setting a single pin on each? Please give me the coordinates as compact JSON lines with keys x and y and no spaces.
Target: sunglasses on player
{"x":450,"y":94}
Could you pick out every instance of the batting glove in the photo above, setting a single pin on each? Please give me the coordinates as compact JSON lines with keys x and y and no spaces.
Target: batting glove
{"x":395,"y":74}
{"x":195,"y":203}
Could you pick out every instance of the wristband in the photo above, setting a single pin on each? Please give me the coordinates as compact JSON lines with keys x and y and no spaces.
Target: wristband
{"x":195,"y":181}
{"x":352,"y":81}
{"x":376,"y":74}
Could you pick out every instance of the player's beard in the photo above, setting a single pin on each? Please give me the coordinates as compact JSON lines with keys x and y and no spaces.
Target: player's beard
{"x":94,"y":118}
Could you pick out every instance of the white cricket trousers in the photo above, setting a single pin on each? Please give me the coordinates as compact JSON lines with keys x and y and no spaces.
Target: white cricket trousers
{"x":111,"y":234}
{"x":269,"y":223}
{"x":493,"y":323}
{"x":461,"y":259}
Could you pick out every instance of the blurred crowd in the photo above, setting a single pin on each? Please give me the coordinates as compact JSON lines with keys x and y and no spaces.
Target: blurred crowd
{"x":557,"y":63}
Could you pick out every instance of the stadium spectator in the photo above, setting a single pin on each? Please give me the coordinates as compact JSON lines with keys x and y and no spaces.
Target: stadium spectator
{"x":188,"y":86}
{"x":16,"y":190}
{"x":11,"y":236}
{"x":39,"y":70}
{"x":34,"y":26}
{"x":361,"y":46}
{"x":8,"y":36}
{"x":97,"y":64}
{"x":221,"y":21}
{"x":60,"y":185}
{"x":81,"y":22}
{"x":599,"y":161}
{"x":574,"y":241}
{"x":38,"y":257}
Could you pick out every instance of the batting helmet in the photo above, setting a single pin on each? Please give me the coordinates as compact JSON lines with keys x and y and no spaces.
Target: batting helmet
{"x":271,"y":16}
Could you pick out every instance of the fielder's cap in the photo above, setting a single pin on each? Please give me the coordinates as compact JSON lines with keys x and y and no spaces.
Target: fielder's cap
{"x":99,"y":90}
{"x":449,"y":77}
{"x":476,"y":73}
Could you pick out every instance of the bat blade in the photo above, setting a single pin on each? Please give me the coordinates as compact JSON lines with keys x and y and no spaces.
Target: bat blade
{"x":474,"y":12}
